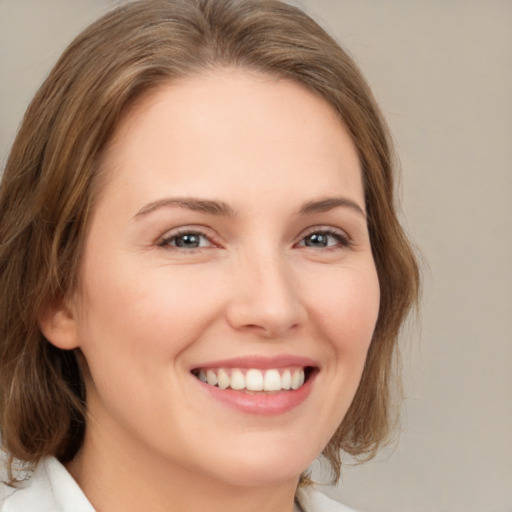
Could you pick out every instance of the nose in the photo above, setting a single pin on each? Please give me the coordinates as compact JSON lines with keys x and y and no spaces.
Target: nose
{"x":265,"y":297}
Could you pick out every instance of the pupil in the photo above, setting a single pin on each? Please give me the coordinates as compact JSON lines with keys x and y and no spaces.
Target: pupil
{"x":187,"y":241}
{"x":316,"y":240}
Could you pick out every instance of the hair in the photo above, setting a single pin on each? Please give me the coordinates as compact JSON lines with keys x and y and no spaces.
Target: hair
{"x":50,"y":180}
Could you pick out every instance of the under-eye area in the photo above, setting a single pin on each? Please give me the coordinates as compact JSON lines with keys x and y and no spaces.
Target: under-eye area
{"x":256,"y":380}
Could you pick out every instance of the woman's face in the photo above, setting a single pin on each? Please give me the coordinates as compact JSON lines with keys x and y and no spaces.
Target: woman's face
{"x":229,"y":243}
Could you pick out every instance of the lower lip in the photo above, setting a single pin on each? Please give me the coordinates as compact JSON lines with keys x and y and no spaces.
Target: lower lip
{"x":260,"y":402}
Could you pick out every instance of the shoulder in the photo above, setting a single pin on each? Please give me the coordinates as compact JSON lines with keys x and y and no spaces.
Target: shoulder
{"x":49,"y":489}
{"x":312,"y":500}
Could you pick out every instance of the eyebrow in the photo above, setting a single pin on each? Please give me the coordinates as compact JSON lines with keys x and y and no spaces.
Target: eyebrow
{"x":324,"y":205}
{"x":189,"y":203}
{"x":221,"y":208}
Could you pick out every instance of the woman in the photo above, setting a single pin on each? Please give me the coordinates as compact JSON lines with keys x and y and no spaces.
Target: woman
{"x":202,"y":272}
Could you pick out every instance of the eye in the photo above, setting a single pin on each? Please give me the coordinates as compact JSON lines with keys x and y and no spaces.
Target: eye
{"x":186,"y":240}
{"x":325,"y":238}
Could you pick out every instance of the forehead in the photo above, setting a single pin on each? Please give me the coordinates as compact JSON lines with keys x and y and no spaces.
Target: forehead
{"x":236,"y":126}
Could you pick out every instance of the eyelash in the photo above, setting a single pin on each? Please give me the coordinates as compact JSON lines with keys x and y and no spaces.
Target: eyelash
{"x":166,"y":242}
{"x":342,"y":240}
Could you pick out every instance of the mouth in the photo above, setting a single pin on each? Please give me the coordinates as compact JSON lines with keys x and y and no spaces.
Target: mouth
{"x":256,"y":380}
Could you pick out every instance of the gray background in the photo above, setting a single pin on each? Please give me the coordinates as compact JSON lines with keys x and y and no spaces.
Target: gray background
{"x":442,"y":73}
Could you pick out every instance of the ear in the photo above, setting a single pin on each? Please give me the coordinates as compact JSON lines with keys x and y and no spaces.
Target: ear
{"x":59,"y":326}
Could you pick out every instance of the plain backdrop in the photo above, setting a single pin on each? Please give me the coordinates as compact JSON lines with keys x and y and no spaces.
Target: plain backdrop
{"x":443,"y":75}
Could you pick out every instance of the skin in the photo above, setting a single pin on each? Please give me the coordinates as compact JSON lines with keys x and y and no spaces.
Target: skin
{"x":148,"y":311}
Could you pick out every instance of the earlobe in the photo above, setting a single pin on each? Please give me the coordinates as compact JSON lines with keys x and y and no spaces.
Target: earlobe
{"x":58,"y":325}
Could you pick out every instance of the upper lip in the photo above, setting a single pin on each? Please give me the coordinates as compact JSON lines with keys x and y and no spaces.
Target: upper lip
{"x":259,"y":362}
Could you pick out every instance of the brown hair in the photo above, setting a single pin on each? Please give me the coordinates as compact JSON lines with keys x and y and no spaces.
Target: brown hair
{"x":47,"y":193}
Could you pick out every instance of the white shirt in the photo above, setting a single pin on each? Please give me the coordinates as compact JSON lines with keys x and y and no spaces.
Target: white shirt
{"x":52,"y":489}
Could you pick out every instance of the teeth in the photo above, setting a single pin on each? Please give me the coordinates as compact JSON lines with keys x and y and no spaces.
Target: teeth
{"x":254,"y":379}
{"x":211,"y":377}
{"x":286,"y":380}
{"x":223,"y":379}
{"x":237,"y":380}
{"x":296,"y":379}
{"x":272,"y":381}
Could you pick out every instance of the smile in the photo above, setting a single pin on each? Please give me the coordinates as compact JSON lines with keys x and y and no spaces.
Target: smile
{"x":253,"y":379}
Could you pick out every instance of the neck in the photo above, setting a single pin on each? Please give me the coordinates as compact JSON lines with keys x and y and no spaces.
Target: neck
{"x":119,"y":476}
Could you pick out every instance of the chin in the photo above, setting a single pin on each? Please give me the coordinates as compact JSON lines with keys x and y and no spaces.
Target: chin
{"x":264,"y":465}
{"x":249,"y":474}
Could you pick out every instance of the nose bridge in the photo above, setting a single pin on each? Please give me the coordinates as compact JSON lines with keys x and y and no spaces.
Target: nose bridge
{"x":265,"y":296}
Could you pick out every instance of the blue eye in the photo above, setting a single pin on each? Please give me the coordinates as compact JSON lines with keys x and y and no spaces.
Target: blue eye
{"x":186,"y":240}
{"x":324,"y":239}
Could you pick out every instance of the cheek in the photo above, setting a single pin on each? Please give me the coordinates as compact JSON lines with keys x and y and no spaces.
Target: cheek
{"x":135,"y":333}
{"x":145,"y":315}
{"x":346,"y":304}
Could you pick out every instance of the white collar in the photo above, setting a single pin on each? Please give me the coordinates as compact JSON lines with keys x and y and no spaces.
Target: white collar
{"x":50,"y":489}
{"x":312,"y":500}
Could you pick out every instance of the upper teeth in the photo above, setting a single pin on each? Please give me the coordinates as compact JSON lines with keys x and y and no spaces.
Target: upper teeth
{"x":254,"y":379}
